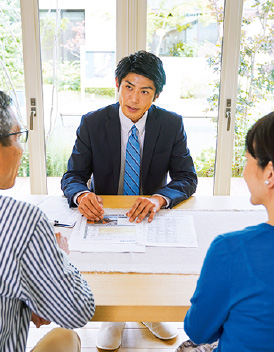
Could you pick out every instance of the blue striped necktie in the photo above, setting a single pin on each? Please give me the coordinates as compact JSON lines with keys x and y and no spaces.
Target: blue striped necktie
{"x":132,"y":165}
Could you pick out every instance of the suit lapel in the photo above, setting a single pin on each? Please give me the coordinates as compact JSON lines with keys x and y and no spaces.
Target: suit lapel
{"x":151,"y":133}
{"x":113,"y":129}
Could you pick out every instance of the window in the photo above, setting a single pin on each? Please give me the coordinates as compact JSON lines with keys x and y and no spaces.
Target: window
{"x":255,"y":76}
{"x":12,"y":70}
{"x":186,"y":35}
{"x":78,"y":62}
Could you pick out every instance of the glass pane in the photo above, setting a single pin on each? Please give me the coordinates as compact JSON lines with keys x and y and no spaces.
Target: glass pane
{"x":12,"y":75}
{"x":78,"y":44}
{"x":187,"y":35}
{"x":255,"y":80}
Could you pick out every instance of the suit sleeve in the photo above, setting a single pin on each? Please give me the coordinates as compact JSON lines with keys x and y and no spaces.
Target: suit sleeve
{"x":50,"y":285}
{"x":181,"y":170}
{"x":210,"y":303}
{"x":79,"y":168}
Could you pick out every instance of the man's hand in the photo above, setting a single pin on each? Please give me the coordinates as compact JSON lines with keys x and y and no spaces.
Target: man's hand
{"x":62,"y":242}
{"x":91,"y":206}
{"x":38,"y":321}
{"x":144,"y":206}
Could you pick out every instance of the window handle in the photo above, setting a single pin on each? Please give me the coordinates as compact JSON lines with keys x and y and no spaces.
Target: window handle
{"x":228,"y":116}
{"x":32,"y":115}
{"x":228,"y":113}
{"x":32,"y":112}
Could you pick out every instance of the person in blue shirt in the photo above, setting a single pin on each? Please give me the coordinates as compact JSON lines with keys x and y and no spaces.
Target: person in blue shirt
{"x":234,"y":298}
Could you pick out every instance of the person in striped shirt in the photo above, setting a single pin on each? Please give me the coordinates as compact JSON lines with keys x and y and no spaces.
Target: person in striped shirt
{"x":37,"y":281}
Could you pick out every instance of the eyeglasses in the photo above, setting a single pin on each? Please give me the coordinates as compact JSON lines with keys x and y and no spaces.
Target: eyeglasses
{"x":22,"y":135}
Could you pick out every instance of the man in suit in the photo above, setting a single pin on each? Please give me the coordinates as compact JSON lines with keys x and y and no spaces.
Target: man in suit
{"x":101,"y":153}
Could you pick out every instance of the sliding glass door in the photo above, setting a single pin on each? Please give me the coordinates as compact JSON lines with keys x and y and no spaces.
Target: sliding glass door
{"x":187,"y":36}
{"x":78,"y":61}
{"x":255,"y":96}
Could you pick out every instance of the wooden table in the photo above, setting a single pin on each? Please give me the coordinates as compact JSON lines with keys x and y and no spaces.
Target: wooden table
{"x":150,"y":297}
{"x":141,"y":297}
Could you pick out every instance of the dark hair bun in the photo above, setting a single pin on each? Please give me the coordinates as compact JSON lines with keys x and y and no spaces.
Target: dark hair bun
{"x":5,"y":100}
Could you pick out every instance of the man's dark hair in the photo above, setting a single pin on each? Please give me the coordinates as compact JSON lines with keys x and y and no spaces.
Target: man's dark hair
{"x":260,"y":140}
{"x":144,"y":64}
{"x":6,"y":119}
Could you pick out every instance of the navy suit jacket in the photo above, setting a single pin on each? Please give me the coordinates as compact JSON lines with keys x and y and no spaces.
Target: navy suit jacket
{"x":97,"y":153}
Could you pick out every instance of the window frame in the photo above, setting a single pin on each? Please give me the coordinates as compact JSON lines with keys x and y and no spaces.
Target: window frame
{"x":33,"y":89}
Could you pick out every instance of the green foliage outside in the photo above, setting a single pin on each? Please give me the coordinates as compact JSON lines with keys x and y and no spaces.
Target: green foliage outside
{"x":204,"y":164}
{"x":56,"y":162}
{"x":172,"y":16}
{"x":181,"y":49}
{"x":11,"y":58}
{"x":68,"y":75}
{"x":58,"y":152}
{"x":24,"y":167}
{"x":49,"y":30}
{"x":99,"y":92}
{"x":69,"y":78}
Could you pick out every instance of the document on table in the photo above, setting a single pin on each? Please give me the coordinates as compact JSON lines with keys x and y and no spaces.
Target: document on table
{"x":116,"y":234}
{"x":112,"y":234}
{"x":170,"y":229}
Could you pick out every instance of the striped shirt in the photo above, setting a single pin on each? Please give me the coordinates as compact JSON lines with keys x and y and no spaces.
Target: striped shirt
{"x":35,"y":275}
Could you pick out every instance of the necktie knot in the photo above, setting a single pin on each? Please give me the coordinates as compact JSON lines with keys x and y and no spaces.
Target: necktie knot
{"x":134,"y":130}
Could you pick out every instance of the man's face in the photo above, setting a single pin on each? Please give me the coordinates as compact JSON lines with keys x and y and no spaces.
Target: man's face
{"x":136,"y":94}
{"x":10,"y":159}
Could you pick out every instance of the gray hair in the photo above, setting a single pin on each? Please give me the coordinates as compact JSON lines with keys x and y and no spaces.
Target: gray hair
{"x":6,"y":119}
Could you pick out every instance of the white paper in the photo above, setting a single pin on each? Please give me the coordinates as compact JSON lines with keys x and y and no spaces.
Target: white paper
{"x":170,"y":229}
{"x":116,"y":234}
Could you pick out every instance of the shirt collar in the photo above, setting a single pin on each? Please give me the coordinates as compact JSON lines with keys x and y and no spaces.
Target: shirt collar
{"x":126,"y":123}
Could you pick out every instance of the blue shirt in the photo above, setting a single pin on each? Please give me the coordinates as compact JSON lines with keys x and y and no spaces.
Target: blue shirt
{"x":35,"y":275}
{"x":234,"y":297}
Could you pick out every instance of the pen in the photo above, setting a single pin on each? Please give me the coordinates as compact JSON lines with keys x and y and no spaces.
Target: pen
{"x":56,"y":223}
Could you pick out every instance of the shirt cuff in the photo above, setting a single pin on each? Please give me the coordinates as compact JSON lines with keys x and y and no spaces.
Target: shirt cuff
{"x":77,"y":195}
{"x":167,"y":199}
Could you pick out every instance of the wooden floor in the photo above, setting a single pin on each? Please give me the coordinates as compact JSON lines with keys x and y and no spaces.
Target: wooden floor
{"x":136,"y":338}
